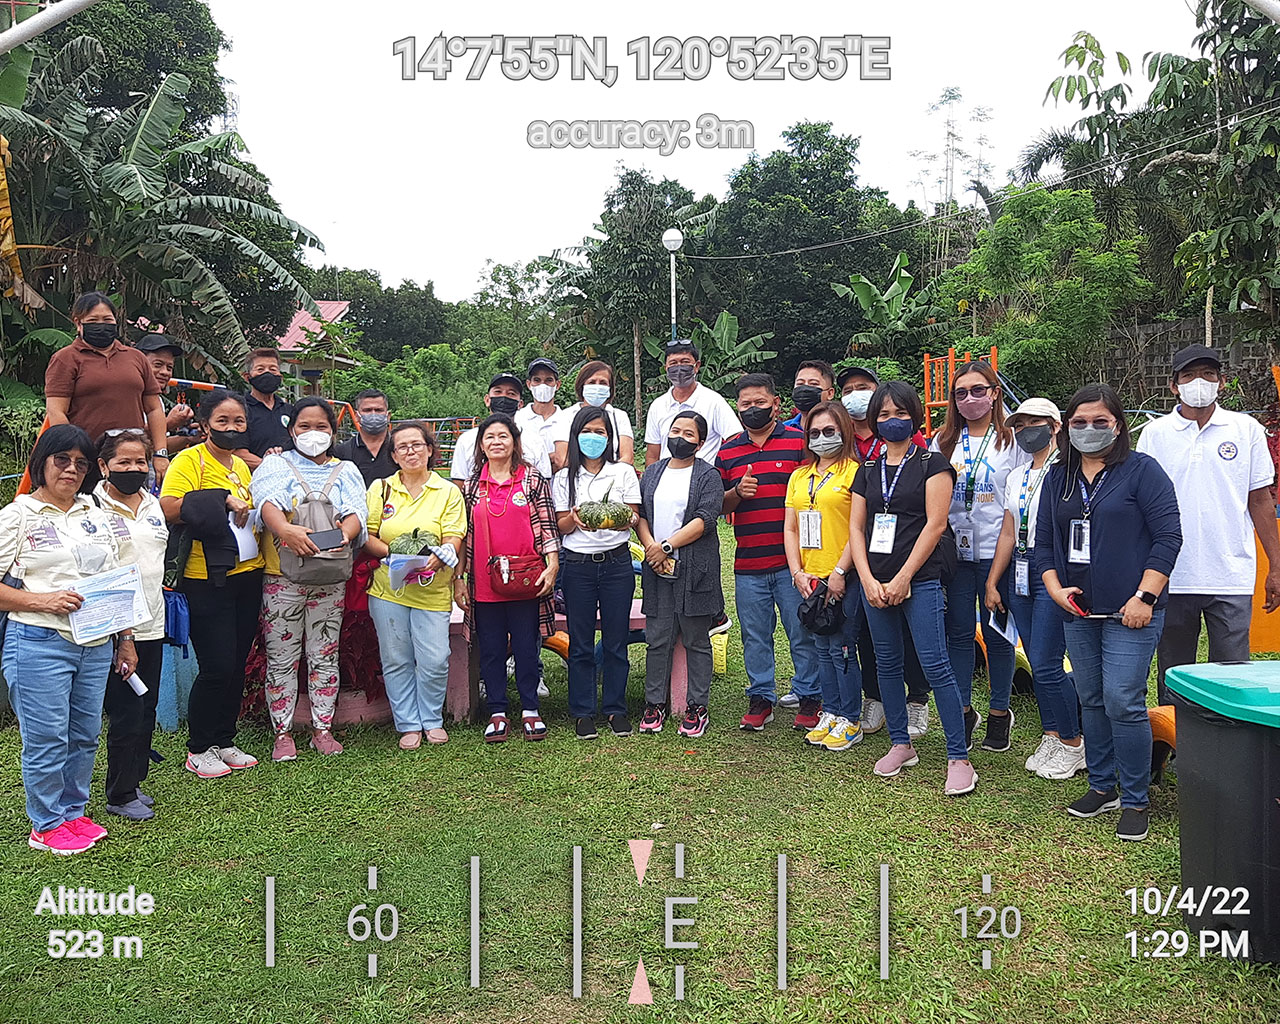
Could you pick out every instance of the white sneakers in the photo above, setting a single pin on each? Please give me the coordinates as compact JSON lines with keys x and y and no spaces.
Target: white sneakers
{"x":917,"y":720}
{"x":873,"y":715}
{"x":219,"y":761}
{"x":1042,"y":752}
{"x":1062,"y":762}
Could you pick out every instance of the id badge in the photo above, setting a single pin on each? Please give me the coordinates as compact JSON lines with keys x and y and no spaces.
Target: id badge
{"x":1022,"y":577}
{"x":882,"y":533}
{"x":810,"y":528}
{"x":966,"y":541}
{"x":1078,"y":542}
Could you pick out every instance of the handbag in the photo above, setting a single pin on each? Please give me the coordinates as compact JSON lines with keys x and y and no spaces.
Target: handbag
{"x":819,"y":615}
{"x":513,"y":577}
{"x":947,"y":551}
{"x":365,"y":566}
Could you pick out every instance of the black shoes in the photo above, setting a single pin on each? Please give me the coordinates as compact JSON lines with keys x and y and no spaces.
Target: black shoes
{"x":998,"y":729}
{"x":1094,"y":803}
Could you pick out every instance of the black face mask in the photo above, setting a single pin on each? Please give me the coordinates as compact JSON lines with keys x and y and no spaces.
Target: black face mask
{"x":98,"y":335}
{"x":681,"y":447}
{"x":503,"y":404}
{"x":1034,"y":439}
{"x":127,"y":481}
{"x":806,"y":396}
{"x":229,"y":440}
{"x":755,"y":418}
{"x":267,"y":383}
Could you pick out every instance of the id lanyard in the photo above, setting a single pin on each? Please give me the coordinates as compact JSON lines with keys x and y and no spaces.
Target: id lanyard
{"x":1086,"y":503}
{"x":971,"y":465}
{"x":886,"y":488}
{"x":1025,"y":497}
{"x":813,"y":494}
{"x":811,"y":518}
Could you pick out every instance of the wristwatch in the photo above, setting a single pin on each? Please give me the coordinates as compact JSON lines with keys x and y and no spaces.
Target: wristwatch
{"x":1146,"y":597}
{"x":666,"y":546}
{"x":162,"y":453}
{"x":837,"y":569}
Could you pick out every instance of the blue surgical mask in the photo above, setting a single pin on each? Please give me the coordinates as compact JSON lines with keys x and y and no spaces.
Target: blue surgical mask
{"x":595,"y":394}
{"x":592,"y":445}
{"x":900,"y":428}
{"x":856,"y":402}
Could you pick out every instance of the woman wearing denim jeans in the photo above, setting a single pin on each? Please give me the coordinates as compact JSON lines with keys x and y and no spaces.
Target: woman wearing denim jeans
{"x":1108,"y":538}
{"x":897,"y":517}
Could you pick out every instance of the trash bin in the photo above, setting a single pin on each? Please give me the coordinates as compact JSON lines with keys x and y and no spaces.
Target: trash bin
{"x":1228,"y":720}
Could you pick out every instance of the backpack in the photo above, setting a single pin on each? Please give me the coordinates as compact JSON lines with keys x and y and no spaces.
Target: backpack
{"x":947,"y":549}
{"x":316,"y":512}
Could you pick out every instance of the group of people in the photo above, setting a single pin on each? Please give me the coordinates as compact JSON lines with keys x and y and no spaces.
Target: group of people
{"x":880,"y":553}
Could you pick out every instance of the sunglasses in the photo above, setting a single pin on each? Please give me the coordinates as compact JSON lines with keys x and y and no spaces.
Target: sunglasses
{"x":1079,"y":424}
{"x":977,"y":391}
{"x":62,"y":460}
{"x":824,"y":432}
{"x":135,"y":431}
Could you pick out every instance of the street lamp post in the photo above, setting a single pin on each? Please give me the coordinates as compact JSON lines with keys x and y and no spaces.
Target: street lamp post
{"x":672,"y":239}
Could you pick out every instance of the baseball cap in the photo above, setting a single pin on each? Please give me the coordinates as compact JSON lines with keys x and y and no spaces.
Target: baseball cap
{"x":1039,"y":407}
{"x":1195,"y":354}
{"x":506,"y":378}
{"x":542,"y":361}
{"x":154,"y":341}
{"x":856,"y":371}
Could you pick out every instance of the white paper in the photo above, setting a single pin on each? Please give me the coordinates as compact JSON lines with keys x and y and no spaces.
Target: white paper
{"x":113,"y":601}
{"x":810,"y":528}
{"x":399,"y":567}
{"x":1010,"y":632}
{"x":137,"y":685}
{"x":246,"y":541}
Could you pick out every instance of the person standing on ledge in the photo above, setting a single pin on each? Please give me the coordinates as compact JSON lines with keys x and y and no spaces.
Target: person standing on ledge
{"x":269,"y":417}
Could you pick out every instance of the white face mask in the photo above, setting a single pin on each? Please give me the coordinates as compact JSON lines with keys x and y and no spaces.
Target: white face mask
{"x":313,"y":442}
{"x":595,"y":394}
{"x":543,"y":392}
{"x":1198,"y":393}
{"x":856,"y":402}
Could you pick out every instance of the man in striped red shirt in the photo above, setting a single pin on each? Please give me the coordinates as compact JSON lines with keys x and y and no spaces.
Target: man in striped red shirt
{"x":755,"y":466}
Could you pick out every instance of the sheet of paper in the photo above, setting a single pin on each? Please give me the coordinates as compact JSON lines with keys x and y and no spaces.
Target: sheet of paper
{"x":246,"y":541}
{"x":1010,"y":631}
{"x":399,"y":567}
{"x":113,"y":601}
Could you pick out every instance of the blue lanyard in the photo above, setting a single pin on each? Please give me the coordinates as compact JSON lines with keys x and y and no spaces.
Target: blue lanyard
{"x":1086,"y":503}
{"x":971,"y":465}
{"x":1024,"y":508}
{"x":886,"y":488}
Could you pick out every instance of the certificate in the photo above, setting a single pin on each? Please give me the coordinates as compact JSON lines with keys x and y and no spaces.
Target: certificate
{"x":402,"y":568}
{"x":246,"y":540}
{"x":113,"y":601}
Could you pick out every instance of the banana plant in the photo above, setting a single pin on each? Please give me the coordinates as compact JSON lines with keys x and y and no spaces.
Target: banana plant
{"x":896,"y":317}
{"x":725,"y":356}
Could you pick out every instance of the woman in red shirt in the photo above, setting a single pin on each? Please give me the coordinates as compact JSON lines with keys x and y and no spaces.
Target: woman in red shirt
{"x":511,"y":520}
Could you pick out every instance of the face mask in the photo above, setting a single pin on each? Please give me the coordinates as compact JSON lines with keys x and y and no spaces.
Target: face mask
{"x":857,"y":402}
{"x":503,"y":404}
{"x":897,"y":429}
{"x":374,"y":422}
{"x":592,"y":445}
{"x":229,"y":440}
{"x":806,"y":396}
{"x":267,"y":383}
{"x":681,"y":375}
{"x":974,"y":408}
{"x":543,"y":392}
{"x":681,"y":447}
{"x":595,"y":394}
{"x":127,"y":481}
{"x":1034,"y":439}
{"x":826,"y":445}
{"x":98,"y":335}
{"x":313,"y":442}
{"x":1199,"y":394}
{"x":756,"y":418}
{"x":1091,"y":440}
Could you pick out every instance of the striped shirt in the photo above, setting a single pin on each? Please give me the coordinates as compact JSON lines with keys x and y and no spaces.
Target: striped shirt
{"x":757,"y":522}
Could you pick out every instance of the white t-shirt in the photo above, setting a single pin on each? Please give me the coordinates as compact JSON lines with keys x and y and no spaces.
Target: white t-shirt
{"x":526,"y":419}
{"x":1213,"y":470}
{"x":670,"y":500}
{"x":1033,"y":480}
{"x":722,"y":421}
{"x":618,"y":481}
{"x":564,"y":420}
{"x":990,"y":477}
{"x":530,"y":445}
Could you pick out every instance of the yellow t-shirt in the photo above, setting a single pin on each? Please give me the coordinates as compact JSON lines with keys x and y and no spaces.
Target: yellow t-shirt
{"x":440,"y":509}
{"x":832,"y":499}
{"x":195,"y":469}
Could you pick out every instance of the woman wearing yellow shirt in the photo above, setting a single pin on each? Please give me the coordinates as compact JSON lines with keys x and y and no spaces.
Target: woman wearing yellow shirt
{"x":413,"y":621}
{"x":205,"y":489}
{"x":816,"y":537}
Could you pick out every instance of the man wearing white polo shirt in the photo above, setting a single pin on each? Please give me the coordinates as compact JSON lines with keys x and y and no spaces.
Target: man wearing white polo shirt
{"x":685,"y":393}
{"x":542,"y":380}
{"x":1222,"y":472}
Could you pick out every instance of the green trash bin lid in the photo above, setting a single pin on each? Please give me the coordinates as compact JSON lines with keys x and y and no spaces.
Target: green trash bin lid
{"x":1247,"y":692}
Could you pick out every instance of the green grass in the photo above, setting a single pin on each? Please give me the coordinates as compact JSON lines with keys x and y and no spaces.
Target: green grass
{"x":734,"y":800}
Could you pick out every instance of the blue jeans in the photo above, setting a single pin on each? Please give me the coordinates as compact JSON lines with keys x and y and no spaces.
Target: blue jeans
{"x":606,"y":586}
{"x":1111,"y":663}
{"x":56,"y":689}
{"x":964,"y":594}
{"x":414,"y":645}
{"x":757,"y":595}
{"x":921,"y":613}
{"x":841,"y":678}
{"x":1040,"y":626}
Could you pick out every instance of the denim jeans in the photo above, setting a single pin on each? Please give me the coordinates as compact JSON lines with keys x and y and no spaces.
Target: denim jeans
{"x":922,"y":614}
{"x":1111,"y":663}
{"x":503,"y":623}
{"x":56,"y":689}
{"x":841,"y":678}
{"x":606,"y":586}
{"x":1040,"y":626}
{"x":414,"y":646}
{"x":758,"y":595}
{"x":964,"y":596}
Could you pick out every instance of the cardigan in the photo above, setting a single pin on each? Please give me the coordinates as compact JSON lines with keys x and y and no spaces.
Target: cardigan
{"x":696,"y":589}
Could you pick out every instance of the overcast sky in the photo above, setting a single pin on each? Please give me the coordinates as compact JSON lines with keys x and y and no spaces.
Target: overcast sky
{"x":427,"y":179}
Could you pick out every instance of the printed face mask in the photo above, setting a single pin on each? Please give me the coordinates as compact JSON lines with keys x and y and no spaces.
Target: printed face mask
{"x":374,"y":422}
{"x":856,"y":403}
{"x":313,"y":442}
{"x":1199,"y":394}
{"x":592,"y":445}
{"x":595,"y":394}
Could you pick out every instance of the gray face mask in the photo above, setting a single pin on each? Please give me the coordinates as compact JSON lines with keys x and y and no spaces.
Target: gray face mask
{"x":374,"y":422}
{"x":1091,"y":440}
{"x":681,"y":374}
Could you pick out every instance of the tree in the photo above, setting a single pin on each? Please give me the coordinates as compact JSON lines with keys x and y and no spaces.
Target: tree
{"x":900,"y":326}
{"x":725,"y":356}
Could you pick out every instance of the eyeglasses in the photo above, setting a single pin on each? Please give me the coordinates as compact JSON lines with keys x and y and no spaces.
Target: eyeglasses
{"x":824,"y":432}
{"x":977,"y":391}
{"x":413,"y":447}
{"x":1098,"y":424}
{"x":135,"y":431}
{"x":62,"y":460}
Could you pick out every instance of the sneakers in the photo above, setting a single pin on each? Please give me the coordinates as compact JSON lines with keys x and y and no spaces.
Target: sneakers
{"x":999,"y":728}
{"x":284,"y":748}
{"x":87,"y":828}
{"x":873,"y":715}
{"x":789,"y":700}
{"x":323,"y":741}
{"x":917,"y":720}
{"x":234,"y":757}
{"x":620,"y":725}
{"x":961,"y":778}
{"x":843,"y":735}
{"x":1133,"y":825}
{"x":654,"y":716}
{"x":759,"y":714}
{"x":723,"y":626}
{"x":892,"y":763}
{"x":1094,"y":803}
{"x":1064,"y":762}
{"x":809,"y":713}
{"x":134,"y":810}
{"x":207,"y":764}
{"x":543,"y":690}
{"x":695,"y":721}
{"x":822,"y":727}
{"x":971,"y":722}
{"x":1047,"y":745}
{"x":585,"y":728}
{"x":143,"y":799}
{"x":61,"y":841}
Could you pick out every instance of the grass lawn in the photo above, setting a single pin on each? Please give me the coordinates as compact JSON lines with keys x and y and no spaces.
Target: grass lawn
{"x":735,"y":800}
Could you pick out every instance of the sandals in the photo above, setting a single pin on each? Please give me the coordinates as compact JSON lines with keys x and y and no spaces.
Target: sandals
{"x":496,"y":730}
{"x":534,"y":728}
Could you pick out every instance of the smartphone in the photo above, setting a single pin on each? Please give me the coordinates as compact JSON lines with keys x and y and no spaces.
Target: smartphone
{"x":327,"y":539}
{"x":1071,"y":600}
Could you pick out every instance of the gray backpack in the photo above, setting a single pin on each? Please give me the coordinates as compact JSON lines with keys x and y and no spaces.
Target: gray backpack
{"x":316,"y":512}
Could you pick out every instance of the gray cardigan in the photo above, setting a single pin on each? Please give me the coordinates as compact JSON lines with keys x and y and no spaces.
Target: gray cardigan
{"x":696,"y":589}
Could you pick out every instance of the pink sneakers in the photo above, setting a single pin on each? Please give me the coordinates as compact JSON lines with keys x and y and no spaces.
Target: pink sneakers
{"x":87,"y":828}
{"x":284,"y":749}
{"x":61,"y":841}
{"x":900,"y":756}
{"x":961,"y":778}
{"x":323,"y":741}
